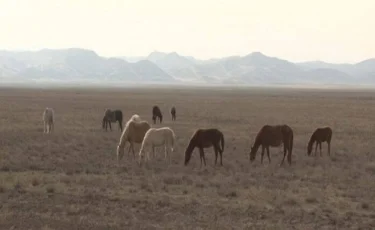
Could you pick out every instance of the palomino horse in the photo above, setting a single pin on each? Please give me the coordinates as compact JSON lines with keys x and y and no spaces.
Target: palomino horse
{"x":157,"y":137}
{"x":156,"y":113}
{"x":205,"y":138}
{"x":273,"y":136}
{"x":173,"y":113}
{"x":48,"y":120}
{"x":134,"y":132}
{"x":112,"y":116}
{"x":320,"y":135}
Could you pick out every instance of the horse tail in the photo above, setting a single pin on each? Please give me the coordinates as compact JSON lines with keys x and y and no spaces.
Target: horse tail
{"x":290,"y":147}
{"x":173,"y":140}
{"x":222,"y":142}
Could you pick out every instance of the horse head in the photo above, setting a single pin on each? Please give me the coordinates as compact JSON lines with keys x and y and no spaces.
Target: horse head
{"x":120,"y":153}
{"x":189,"y":151}
{"x":252,"y":153}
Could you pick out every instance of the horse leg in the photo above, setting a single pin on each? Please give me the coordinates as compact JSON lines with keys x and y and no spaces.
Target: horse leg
{"x":110,"y":126}
{"x":216,"y":153}
{"x":261,"y":158}
{"x":316,"y":147}
{"x":268,"y":154}
{"x":202,"y":156}
{"x":129,"y":150}
{"x":320,"y":148}
{"x":221,"y":157}
{"x":133,"y":150}
{"x":165,"y":151}
{"x":282,"y":162}
{"x":329,"y":148}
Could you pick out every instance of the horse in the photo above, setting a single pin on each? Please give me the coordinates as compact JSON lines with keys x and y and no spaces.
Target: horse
{"x":273,"y":136}
{"x":134,"y":132}
{"x":155,"y":137}
{"x":205,"y":138}
{"x":173,"y":113}
{"x":320,"y":135}
{"x":48,"y":120}
{"x":156,"y":113}
{"x":112,"y":116}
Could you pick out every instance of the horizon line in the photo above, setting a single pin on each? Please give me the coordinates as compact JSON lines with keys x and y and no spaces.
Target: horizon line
{"x":182,"y":55}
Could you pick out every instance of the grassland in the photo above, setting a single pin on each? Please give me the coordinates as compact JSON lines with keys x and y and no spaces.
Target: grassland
{"x":70,"y":179}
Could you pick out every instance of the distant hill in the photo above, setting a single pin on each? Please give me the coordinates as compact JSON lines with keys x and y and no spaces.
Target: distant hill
{"x":254,"y":68}
{"x":76,"y":64}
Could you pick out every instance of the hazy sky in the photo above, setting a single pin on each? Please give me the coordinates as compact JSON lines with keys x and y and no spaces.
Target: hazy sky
{"x":297,"y":30}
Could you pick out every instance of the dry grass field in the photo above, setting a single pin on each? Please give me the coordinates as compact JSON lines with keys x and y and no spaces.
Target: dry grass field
{"x":70,"y":179}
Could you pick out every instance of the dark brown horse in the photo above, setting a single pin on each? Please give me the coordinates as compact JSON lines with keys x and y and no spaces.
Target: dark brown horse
{"x":320,"y":135}
{"x":205,"y":138}
{"x":173,"y":113}
{"x":273,"y":136}
{"x":156,"y":113}
{"x":112,"y":116}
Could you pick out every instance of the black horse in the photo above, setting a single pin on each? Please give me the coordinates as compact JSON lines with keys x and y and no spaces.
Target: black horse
{"x":156,"y":113}
{"x":112,"y":116}
{"x":173,"y":113}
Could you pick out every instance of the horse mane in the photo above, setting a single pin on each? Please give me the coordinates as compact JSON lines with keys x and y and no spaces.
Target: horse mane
{"x":311,"y":142}
{"x":125,"y":132}
{"x":191,"y":145}
{"x":257,"y":141}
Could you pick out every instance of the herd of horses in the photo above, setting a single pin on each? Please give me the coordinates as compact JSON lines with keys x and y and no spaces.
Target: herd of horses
{"x":138,"y":131}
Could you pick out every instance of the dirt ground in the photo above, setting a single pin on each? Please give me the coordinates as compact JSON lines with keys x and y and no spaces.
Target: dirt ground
{"x":70,"y":179}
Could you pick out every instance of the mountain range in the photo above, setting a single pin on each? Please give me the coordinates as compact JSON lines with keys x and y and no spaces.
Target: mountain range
{"x":77,"y":64}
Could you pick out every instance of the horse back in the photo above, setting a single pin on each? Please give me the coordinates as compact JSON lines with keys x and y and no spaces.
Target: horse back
{"x":138,"y":130}
{"x":207,"y":137}
{"x":323,"y":134}
{"x":274,"y":135}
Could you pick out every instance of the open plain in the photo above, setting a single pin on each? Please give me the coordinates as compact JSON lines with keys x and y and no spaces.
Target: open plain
{"x":70,"y":179}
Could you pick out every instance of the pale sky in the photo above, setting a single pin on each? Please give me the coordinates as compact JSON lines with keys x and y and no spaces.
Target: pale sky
{"x":296,"y":30}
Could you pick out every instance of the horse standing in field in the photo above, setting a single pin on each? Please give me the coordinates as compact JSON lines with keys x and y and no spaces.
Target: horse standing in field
{"x":112,"y":116}
{"x":173,"y":113}
{"x":205,"y":138}
{"x":320,"y":135}
{"x":134,"y":132}
{"x":157,"y":137}
{"x":273,"y":136}
{"x":156,"y":113}
{"x":48,"y":120}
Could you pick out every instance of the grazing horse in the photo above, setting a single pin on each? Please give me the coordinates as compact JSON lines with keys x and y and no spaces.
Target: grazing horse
{"x":134,"y":132}
{"x":173,"y":113}
{"x":273,"y":136}
{"x":156,"y":113}
{"x":112,"y":116}
{"x":48,"y":120}
{"x":157,"y":137}
{"x":205,"y":138}
{"x":320,"y":135}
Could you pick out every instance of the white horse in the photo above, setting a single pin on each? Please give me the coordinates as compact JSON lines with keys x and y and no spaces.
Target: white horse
{"x":134,"y":132}
{"x":155,"y":137}
{"x":48,"y":119}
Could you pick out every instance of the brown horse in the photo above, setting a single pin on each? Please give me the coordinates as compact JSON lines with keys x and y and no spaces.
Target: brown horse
{"x":156,"y":113}
{"x":173,"y":113}
{"x":112,"y":116}
{"x":320,"y":135}
{"x":273,"y":136}
{"x":205,"y":138}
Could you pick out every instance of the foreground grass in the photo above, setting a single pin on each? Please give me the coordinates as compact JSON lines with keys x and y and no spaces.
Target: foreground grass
{"x":70,"y":179}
